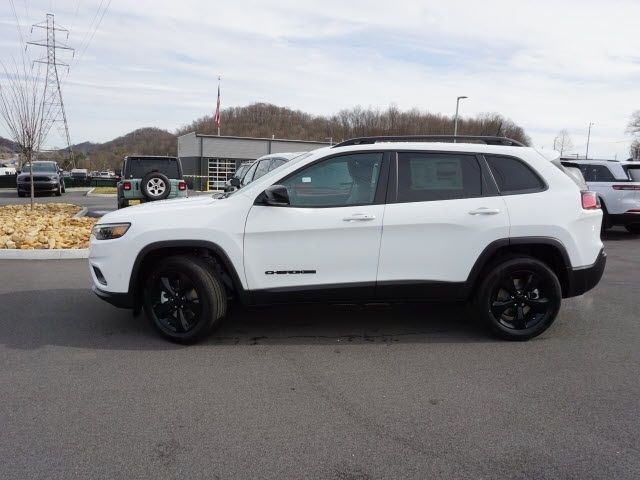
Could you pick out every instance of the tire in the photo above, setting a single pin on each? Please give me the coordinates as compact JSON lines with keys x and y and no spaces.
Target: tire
{"x":633,"y":228}
{"x":122,"y":203}
{"x":155,"y":186}
{"x":58,"y":192}
{"x":606,"y":221}
{"x":512,"y":291}
{"x":20,"y":194}
{"x":169,"y":293}
{"x":64,"y":188}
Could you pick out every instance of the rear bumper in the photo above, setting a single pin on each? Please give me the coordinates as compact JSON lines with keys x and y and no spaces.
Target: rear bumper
{"x":624,"y":218}
{"x":583,"y":279}
{"x":120,"y":300}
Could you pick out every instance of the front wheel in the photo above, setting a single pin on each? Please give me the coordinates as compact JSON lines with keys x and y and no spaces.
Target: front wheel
{"x":183,"y":299}
{"x":59,"y":191}
{"x":519,"y":298}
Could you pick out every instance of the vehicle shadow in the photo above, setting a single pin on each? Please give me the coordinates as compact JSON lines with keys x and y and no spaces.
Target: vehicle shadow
{"x":75,"y":318}
{"x":619,"y":234}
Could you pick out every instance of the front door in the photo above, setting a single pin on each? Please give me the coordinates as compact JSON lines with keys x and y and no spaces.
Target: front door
{"x":325,"y":244}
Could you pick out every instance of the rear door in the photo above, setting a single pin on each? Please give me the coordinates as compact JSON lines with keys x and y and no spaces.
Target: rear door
{"x":443,"y":211}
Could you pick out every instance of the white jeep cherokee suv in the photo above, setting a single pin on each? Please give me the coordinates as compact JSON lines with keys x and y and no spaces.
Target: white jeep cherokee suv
{"x":376,"y":219}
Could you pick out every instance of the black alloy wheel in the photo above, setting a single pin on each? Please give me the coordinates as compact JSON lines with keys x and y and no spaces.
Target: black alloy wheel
{"x":520,"y":298}
{"x":519,"y":301}
{"x":183,"y":299}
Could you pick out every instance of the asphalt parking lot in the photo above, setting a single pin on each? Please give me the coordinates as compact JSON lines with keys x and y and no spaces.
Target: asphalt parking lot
{"x":88,"y":391}
{"x":97,"y":206}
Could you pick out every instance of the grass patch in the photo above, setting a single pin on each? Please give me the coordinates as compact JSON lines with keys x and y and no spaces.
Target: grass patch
{"x":112,"y":190}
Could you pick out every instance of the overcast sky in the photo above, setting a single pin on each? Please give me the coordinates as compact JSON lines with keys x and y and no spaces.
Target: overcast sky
{"x":547,"y":65}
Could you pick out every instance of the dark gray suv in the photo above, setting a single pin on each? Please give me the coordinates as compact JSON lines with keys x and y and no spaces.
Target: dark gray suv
{"x":47,"y":178}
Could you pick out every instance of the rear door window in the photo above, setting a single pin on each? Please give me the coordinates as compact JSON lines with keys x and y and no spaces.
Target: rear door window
{"x":424,"y":177}
{"x":597,"y":173}
{"x":513,"y":176}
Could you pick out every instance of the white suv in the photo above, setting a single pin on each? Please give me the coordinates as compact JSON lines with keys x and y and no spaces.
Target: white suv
{"x":378,"y":219}
{"x":618,"y":187}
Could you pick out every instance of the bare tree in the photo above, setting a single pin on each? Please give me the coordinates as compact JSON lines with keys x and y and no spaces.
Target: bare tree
{"x":634,"y":150}
{"x":634,"y":129}
{"x":562,"y":142}
{"x":21,"y":109}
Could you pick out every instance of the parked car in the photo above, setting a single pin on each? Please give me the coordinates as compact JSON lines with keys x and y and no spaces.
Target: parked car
{"x":382,"y":219}
{"x":617,"y":184}
{"x":237,"y":177}
{"x":262,"y":166}
{"x":148,"y":178}
{"x":7,"y":170}
{"x":47,"y":178}
{"x":80,"y":175}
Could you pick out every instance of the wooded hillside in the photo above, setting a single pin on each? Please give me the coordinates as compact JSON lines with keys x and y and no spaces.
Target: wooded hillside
{"x":265,"y":120}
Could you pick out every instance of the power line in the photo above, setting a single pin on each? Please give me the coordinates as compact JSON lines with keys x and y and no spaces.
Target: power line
{"x":15,"y":14}
{"x":97,"y":25}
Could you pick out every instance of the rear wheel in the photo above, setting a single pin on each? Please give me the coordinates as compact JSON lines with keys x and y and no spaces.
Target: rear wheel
{"x":122,"y":203}
{"x":20,"y":194}
{"x":519,"y":298}
{"x":633,"y":228}
{"x":606,"y":221}
{"x":183,"y":299}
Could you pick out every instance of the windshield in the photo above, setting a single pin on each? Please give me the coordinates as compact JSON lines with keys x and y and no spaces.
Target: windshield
{"x":241,"y":170}
{"x":633,"y":172}
{"x":42,"y":167}
{"x":139,"y":167}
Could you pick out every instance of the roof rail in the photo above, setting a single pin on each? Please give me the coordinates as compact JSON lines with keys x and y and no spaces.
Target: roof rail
{"x":488,"y":140}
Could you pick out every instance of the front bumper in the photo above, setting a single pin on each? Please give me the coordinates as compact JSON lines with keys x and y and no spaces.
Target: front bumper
{"x":120,"y":300}
{"x":39,"y":187}
{"x":583,"y":279}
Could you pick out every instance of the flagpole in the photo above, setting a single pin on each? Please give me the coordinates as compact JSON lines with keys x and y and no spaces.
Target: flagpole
{"x":219,"y":105}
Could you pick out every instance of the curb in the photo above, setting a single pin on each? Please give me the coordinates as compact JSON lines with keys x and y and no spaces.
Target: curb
{"x":91,"y":194}
{"x":54,"y":254}
{"x":81,"y":213}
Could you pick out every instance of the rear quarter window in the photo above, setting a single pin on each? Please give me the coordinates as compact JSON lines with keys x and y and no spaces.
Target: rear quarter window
{"x":514,"y":176}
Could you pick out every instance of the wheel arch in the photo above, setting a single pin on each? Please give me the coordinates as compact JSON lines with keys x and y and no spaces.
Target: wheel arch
{"x":549,"y":250}
{"x":220,"y":262}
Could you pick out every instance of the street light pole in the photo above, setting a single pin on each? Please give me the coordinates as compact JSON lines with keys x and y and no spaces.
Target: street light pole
{"x":455,"y":122}
{"x":586,"y":155}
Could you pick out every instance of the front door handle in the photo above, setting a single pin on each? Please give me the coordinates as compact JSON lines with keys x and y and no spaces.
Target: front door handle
{"x":359,"y":217}
{"x":484,"y":211}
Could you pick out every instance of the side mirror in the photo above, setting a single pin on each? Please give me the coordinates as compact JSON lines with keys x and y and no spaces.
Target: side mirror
{"x":277,"y":195}
{"x":234,"y":182}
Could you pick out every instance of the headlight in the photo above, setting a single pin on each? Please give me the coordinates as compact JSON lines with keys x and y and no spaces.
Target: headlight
{"x":109,"y":231}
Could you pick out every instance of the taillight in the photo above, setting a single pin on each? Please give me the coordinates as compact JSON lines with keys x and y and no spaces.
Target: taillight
{"x":590,"y":200}
{"x":182,"y":185}
{"x":126,"y":186}
{"x":626,"y":187}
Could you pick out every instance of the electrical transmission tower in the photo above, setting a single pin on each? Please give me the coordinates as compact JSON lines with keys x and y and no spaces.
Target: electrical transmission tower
{"x":52,"y":105}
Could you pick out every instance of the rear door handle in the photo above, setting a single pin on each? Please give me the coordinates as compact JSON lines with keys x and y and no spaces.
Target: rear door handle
{"x":484,"y":211}
{"x":359,"y":217}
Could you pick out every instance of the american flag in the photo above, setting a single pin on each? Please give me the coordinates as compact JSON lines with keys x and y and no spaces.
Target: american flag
{"x":216,"y":117}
